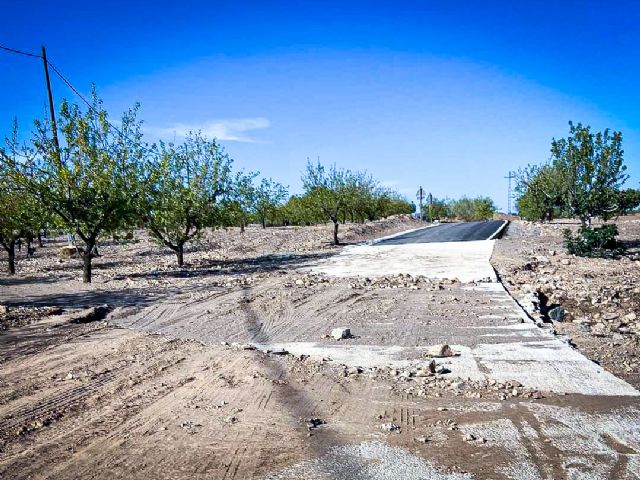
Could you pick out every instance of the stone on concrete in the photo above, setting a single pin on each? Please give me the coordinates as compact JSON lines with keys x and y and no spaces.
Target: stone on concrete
{"x":440,"y":351}
{"x":341,"y":333}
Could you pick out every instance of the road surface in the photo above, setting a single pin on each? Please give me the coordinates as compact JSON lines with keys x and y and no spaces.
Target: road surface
{"x":448,"y":232}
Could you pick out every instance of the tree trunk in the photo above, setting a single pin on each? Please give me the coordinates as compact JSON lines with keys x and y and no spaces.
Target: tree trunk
{"x":335,"y":232}
{"x":180,"y":254}
{"x":11,"y":251}
{"x":86,"y":268}
{"x":40,"y":240}
{"x":264,"y":222}
{"x":242,"y":226}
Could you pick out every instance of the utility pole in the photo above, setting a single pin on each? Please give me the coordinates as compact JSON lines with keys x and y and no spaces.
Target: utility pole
{"x":430,"y":207}
{"x":510,"y":176}
{"x":54,"y":127}
{"x":420,"y":197}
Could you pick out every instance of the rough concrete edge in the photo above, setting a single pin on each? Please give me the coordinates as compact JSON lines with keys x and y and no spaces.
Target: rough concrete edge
{"x":497,"y":232}
{"x":397,"y":234}
{"x":549,"y":330}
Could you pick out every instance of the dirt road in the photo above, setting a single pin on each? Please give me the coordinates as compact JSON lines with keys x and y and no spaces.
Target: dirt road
{"x":234,"y":378}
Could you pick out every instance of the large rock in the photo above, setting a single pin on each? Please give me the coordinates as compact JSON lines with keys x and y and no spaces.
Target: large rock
{"x":341,"y":333}
{"x":557,"y":314}
{"x":440,"y":351}
{"x":69,"y":251}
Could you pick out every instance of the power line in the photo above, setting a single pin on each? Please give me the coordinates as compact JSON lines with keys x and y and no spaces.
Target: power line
{"x":73,"y":89}
{"x":20,"y":52}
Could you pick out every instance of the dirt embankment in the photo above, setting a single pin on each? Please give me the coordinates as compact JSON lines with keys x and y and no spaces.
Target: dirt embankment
{"x":600,"y":297}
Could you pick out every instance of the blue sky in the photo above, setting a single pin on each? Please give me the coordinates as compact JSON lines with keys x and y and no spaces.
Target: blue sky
{"x":447,"y":95}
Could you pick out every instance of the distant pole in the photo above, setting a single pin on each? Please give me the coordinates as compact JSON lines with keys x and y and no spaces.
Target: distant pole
{"x":420,"y":197}
{"x":510,"y":176}
{"x":52,"y":112}
{"x":430,"y":206}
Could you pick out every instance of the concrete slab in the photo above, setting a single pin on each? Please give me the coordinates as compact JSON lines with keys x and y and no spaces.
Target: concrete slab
{"x":466,"y":261}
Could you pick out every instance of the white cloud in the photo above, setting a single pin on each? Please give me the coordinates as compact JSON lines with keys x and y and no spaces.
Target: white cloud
{"x":232,"y":129}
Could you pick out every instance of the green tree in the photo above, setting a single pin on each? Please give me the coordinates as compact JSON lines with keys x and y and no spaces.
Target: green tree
{"x":91,"y":184}
{"x":628,"y":201}
{"x":328,"y":191}
{"x":190,"y":189}
{"x":242,"y":198}
{"x":301,"y":210}
{"x":593,"y":167}
{"x":269,"y":196}
{"x":541,"y":191}
{"x":21,"y":215}
{"x":472,"y":209}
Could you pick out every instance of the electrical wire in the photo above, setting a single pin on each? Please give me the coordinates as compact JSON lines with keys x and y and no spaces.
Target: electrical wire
{"x":20,"y":52}
{"x":74,"y":90}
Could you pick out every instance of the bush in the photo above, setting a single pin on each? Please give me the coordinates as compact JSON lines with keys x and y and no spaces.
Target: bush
{"x":593,"y":242}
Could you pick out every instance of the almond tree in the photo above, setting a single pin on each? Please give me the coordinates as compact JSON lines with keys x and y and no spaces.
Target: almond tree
{"x":91,"y":183}
{"x":190,"y":189}
{"x":593,"y":168}
{"x":20,"y":214}
{"x":269,"y":196}
{"x":328,"y":190}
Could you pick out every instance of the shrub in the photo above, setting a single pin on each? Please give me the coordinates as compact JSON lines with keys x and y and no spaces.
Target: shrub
{"x":593,"y":242}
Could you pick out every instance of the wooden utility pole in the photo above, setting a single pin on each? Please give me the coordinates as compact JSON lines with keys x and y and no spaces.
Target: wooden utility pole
{"x":54,"y":127}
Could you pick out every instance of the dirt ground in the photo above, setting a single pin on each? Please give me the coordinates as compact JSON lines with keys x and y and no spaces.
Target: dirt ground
{"x":601,"y":297}
{"x":96,"y":401}
{"x":163,"y":383}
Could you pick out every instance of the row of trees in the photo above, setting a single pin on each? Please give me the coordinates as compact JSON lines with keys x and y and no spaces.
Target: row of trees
{"x":583,"y":179}
{"x":467,"y":209}
{"x":94,"y":180}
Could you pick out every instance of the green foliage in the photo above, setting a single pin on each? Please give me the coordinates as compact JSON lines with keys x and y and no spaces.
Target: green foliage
{"x":541,"y":191}
{"x":189,"y":189}
{"x":440,"y":209}
{"x":92,"y":183}
{"x":301,"y":210}
{"x":628,"y":201}
{"x":21,"y":215}
{"x":240,"y":206}
{"x":339,"y":195}
{"x":583,"y":179}
{"x":593,"y":168}
{"x":269,"y":197}
{"x":593,"y":242}
{"x":472,"y":209}
{"x":329,"y":191}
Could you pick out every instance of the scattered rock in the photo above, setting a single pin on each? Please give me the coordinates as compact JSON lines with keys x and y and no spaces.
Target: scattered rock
{"x":69,"y":251}
{"x":312,"y":423}
{"x":389,"y":427}
{"x":440,"y":351}
{"x":557,"y":314}
{"x":3,"y":309}
{"x":341,"y":333}
{"x":88,"y":315}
